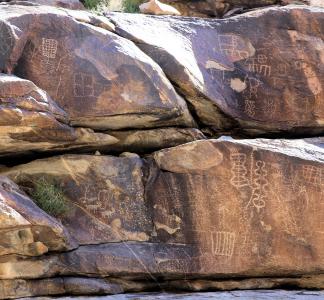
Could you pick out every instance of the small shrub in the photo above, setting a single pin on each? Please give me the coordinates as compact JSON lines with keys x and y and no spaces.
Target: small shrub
{"x":95,"y":5}
{"x":132,"y":6}
{"x":49,"y":197}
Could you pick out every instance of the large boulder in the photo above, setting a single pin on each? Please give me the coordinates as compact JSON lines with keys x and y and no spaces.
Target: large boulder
{"x":264,"y":81}
{"x":25,"y":228}
{"x":105,"y":195}
{"x":224,"y":8}
{"x":100,"y":79}
{"x":30,"y":121}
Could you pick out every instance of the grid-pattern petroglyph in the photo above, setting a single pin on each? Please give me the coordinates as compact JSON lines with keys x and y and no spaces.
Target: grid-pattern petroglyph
{"x":6,"y":39}
{"x":223,"y":243}
{"x":229,"y":45}
{"x":238,"y":169}
{"x":49,"y":48}
{"x":313,"y":175}
{"x":83,"y":85}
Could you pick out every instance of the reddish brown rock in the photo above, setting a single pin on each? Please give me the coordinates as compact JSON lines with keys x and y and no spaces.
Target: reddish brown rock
{"x":31,"y":121}
{"x":261,"y":82}
{"x":220,"y":208}
{"x":100,"y":79}
{"x":223,"y":8}
{"x":105,"y":195}
{"x":12,"y":289}
{"x":26,"y":229}
{"x":147,"y":141}
{"x":251,"y":207}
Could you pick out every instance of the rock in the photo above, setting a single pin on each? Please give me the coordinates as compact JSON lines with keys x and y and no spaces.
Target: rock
{"x":70,"y":4}
{"x":145,"y":141}
{"x":262,"y":82}
{"x":105,"y":195}
{"x":220,"y":209}
{"x":31,"y":121}
{"x":245,"y":295}
{"x":26,"y":229}
{"x":155,"y":7}
{"x":100,"y":79}
{"x":223,"y":8}
{"x":11,"y":289}
{"x":103,"y":286}
{"x":249,"y":206}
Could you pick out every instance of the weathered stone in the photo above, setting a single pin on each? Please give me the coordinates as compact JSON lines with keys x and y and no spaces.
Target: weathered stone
{"x":102,"y":286}
{"x":100,"y":79}
{"x":266,"y":81}
{"x":105,"y":195}
{"x":145,"y":141}
{"x":11,"y":289}
{"x":155,"y":7}
{"x":223,"y":8}
{"x":234,"y":295}
{"x":25,"y":229}
{"x":31,"y":121}
{"x":251,"y":207}
{"x":220,"y":208}
{"x":70,"y":4}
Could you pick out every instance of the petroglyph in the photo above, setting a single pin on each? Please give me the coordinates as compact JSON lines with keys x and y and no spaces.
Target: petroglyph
{"x":83,"y":85}
{"x":259,"y":185}
{"x":258,"y":68}
{"x":313,"y":175}
{"x":238,"y":169}
{"x":98,"y":202}
{"x":6,"y":39}
{"x":223,"y":243}
{"x":49,"y":48}
{"x":235,"y":47}
{"x":253,"y":85}
{"x":249,"y":107}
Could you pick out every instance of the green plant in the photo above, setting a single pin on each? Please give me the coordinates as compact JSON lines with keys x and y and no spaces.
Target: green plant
{"x":95,"y":4}
{"x":49,"y":197}
{"x":132,"y":6}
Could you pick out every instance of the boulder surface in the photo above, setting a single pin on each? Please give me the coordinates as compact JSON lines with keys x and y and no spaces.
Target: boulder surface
{"x":269,"y":81}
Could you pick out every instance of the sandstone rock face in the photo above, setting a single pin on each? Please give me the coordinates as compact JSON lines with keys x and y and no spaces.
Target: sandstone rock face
{"x":83,"y":96}
{"x":265,"y":81}
{"x":25,"y":228}
{"x":105,"y":195}
{"x":31,"y":121}
{"x":216,"y":208}
{"x":155,"y":7}
{"x":101,"y":80}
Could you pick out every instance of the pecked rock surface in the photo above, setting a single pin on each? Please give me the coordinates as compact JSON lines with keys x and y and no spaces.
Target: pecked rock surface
{"x":25,"y":228}
{"x":100,"y":79}
{"x":105,"y":195}
{"x":210,"y":209}
{"x":31,"y":121}
{"x":88,"y":94}
{"x":264,"y":81}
